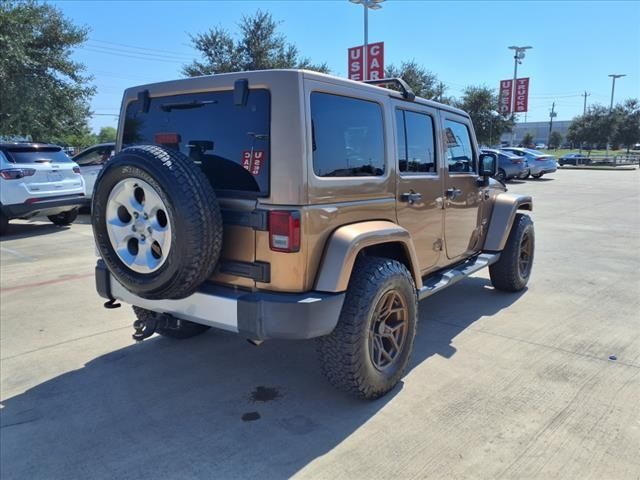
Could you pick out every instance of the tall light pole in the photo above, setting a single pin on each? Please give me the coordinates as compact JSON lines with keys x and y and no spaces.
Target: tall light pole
{"x":613,"y":86}
{"x":518,"y":55}
{"x":373,"y":5}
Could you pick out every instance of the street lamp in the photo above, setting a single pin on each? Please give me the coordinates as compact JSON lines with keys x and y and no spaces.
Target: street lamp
{"x":373,"y":5}
{"x":518,"y":55}
{"x":613,"y":86}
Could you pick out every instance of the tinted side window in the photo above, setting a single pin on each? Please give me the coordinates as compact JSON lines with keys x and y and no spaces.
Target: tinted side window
{"x":459,"y":150}
{"x":348,"y":136}
{"x":415,"y":132}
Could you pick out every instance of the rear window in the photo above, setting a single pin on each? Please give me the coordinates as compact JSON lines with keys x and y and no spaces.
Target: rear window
{"x":36,"y":155}
{"x":229,"y":142}
{"x":348,"y":136}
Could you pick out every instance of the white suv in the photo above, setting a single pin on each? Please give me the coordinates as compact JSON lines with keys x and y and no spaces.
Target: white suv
{"x":38,"y":179}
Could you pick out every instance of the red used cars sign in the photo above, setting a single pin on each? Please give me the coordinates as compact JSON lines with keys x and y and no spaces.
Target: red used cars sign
{"x":504,"y":98}
{"x":375,"y":59}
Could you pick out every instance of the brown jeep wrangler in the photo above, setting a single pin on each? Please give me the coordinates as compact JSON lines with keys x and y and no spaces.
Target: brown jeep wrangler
{"x":291,"y":204}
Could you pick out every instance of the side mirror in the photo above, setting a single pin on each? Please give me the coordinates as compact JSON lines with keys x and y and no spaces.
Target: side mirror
{"x":488,"y":164}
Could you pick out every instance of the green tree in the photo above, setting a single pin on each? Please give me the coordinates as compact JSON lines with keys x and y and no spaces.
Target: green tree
{"x":627,"y":131}
{"x":481,"y":103}
{"x":258,"y":47}
{"x":555,"y":139}
{"x":424,"y":83}
{"x":527,"y":140}
{"x":594,"y":129}
{"x":44,"y":94}
{"x":107,"y":134}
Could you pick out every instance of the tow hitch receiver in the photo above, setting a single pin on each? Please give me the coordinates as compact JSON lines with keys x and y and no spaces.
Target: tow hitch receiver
{"x":144,"y":328}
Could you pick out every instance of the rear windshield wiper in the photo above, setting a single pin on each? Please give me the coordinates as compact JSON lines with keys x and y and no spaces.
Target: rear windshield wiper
{"x":167,"y":107}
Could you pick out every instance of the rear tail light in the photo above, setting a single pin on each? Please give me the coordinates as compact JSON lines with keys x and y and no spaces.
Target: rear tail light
{"x":16,"y":173}
{"x":284,"y":231}
{"x":76,"y":170}
{"x":541,"y":159}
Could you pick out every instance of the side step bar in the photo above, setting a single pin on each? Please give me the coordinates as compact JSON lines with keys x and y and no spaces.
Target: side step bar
{"x":445,"y":278}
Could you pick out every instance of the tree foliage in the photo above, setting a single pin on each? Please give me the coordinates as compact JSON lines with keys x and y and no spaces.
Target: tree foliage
{"x":627,"y":120}
{"x":481,"y":103}
{"x":594,"y":129}
{"x":258,"y":46}
{"x":107,"y":134}
{"x":424,"y":83}
{"x":527,"y":140}
{"x":44,"y":94}
{"x":555,"y":139}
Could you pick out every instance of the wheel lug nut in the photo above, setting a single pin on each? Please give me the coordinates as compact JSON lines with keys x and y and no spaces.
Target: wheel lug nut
{"x":133,"y":228}
{"x":142,"y":237}
{"x":135,"y":214}
{"x":149,"y":230}
{"x":146,"y":217}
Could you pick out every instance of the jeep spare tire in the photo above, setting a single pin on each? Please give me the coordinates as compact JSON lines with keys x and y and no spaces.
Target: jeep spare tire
{"x":156,"y":222}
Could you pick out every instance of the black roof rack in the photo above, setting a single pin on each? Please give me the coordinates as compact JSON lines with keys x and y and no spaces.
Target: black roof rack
{"x":407,"y":93}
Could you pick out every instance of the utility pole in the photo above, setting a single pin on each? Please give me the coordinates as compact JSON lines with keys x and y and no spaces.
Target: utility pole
{"x":551,"y":115}
{"x":518,"y":55}
{"x":585,"y":95}
{"x":373,"y":5}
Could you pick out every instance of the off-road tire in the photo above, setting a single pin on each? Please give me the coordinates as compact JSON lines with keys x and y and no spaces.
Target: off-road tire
{"x":344,"y":354}
{"x":181,"y":331}
{"x":193,"y":211}
{"x":4,"y":224}
{"x":506,"y":274}
{"x":65,"y":218}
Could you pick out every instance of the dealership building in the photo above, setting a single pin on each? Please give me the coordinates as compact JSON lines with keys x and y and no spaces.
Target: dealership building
{"x":539,"y":130}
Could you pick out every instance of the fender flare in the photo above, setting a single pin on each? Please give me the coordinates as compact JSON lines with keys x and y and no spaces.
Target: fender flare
{"x":505,"y":207}
{"x":348,"y":241}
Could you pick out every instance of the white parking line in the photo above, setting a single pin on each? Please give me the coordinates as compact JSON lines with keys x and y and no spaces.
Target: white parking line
{"x":17,"y":254}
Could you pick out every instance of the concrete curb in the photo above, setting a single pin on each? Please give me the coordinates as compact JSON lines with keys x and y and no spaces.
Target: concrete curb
{"x":596,"y":167}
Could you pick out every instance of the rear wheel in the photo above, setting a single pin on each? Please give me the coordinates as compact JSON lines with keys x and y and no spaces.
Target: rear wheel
{"x":501,"y":175}
{"x":368,"y":351}
{"x":537,"y":175}
{"x":64,"y":218}
{"x":511,"y":273}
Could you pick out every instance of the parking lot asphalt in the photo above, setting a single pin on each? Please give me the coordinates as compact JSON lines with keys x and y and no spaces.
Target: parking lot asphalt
{"x":541,"y":384}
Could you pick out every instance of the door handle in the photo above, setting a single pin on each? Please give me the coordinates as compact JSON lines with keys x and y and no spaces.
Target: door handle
{"x":411,"y":197}
{"x":453,"y":193}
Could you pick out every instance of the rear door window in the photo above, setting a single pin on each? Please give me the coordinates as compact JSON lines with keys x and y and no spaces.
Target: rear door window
{"x":416,"y":151}
{"x":95,"y":156}
{"x":36,"y":155}
{"x":229,"y":142}
{"x":348,"y":136}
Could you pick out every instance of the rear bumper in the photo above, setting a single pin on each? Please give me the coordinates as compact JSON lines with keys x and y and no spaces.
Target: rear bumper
{"x":43,"y":206}
{"x":254,"y":315}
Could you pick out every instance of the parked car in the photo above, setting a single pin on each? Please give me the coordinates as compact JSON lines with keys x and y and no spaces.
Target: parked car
{"x":509,"y":165}
{"x":539,"y":163}
{"x":574,"y":159}
{"x":38,"y":179}
{"x":91,"y":161}
{"x":541,"y":146}
{"x":292,"y":204}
